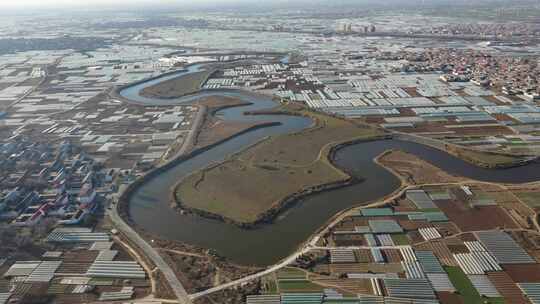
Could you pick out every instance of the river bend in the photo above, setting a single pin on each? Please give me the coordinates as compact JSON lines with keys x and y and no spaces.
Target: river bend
{"x":149,"y":205}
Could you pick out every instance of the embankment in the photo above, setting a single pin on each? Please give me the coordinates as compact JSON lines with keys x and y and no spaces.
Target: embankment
{"x":511,"y":160}
{"x":287,"y":202}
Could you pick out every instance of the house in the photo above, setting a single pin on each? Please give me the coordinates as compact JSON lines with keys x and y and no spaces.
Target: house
{"x":12,"y":195}
{"x":532,"y":96}
{"x":110,"y":175}
{"x":32,"y":215}
{"x":87,"y":195}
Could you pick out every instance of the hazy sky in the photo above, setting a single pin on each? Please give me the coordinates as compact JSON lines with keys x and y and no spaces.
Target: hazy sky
{"x":104,"y":4}
{"x":109,"y":3}
{"x":83,"y":3}
{"x":98,"y":4}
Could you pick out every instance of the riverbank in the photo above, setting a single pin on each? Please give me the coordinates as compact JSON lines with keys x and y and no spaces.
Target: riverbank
{"x":487,"y":159}
{"x":177,"y":87}
{"x":220,"y":192}
{"x":269,"y":216}
{"x":123,"y":201}
{"x":149,"y":204}
{"x":480,"y":158}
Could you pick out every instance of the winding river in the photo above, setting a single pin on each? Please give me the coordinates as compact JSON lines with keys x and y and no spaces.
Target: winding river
{"x":149,"y":205}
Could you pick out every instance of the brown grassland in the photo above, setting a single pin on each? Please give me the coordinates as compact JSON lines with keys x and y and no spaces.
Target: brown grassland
{"x":177,"y":87}
{"x":258,"y":179}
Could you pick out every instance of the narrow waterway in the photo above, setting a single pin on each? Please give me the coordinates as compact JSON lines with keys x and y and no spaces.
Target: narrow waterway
{"x":149,"y":206}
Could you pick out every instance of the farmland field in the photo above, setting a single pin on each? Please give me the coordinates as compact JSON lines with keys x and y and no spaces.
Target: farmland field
{"x":466,"y":288}
{"x":532,"y":199}
{"x":298,"y":286}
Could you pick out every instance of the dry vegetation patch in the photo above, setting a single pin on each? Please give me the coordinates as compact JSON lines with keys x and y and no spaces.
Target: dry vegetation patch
{"x":251,"y":183}
{"x":177,"y":87}
{"x":415,"y":170}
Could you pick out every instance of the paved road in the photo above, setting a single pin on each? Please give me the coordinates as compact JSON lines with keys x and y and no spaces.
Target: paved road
{"x":33,"y":89}
{"x":308,"y":246}
{"x":149,"y":251}
{"x":195,"y":127}
{"x":361,"y":247}
{"x":282,"y":264}
{"x":243,"y":280}
{"x":312,"y":244}
{"x":153,"y":255}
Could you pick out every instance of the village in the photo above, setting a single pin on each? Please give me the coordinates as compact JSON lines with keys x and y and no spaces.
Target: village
{"x":74,"y":137}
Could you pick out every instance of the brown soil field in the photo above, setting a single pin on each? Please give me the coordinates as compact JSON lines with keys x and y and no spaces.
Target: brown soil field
{"x":233,"y":189}
{"x":363,"y":256}
{"x":404,"y":205}
{"x":74,"y":268}
{"x":414,"y":225}
{"x":507,"y":288}
{"x":477,"y":218}
{"x":392,"y":255}
{"x":350,"y":222}
{"x":352,"y":286}
{"x":80,"y":256}
{"x":415,"y":237}
{"x":425,"y":127}
{"x":446,"y":229}
{"x":366,"y":267}
{"x":523,"y":273}
{"x":440,"y":249}
{"x":449,"y":298}
{"x":348,"y":240}
{"x":458,"y":248}
{"x":482,"y":131}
